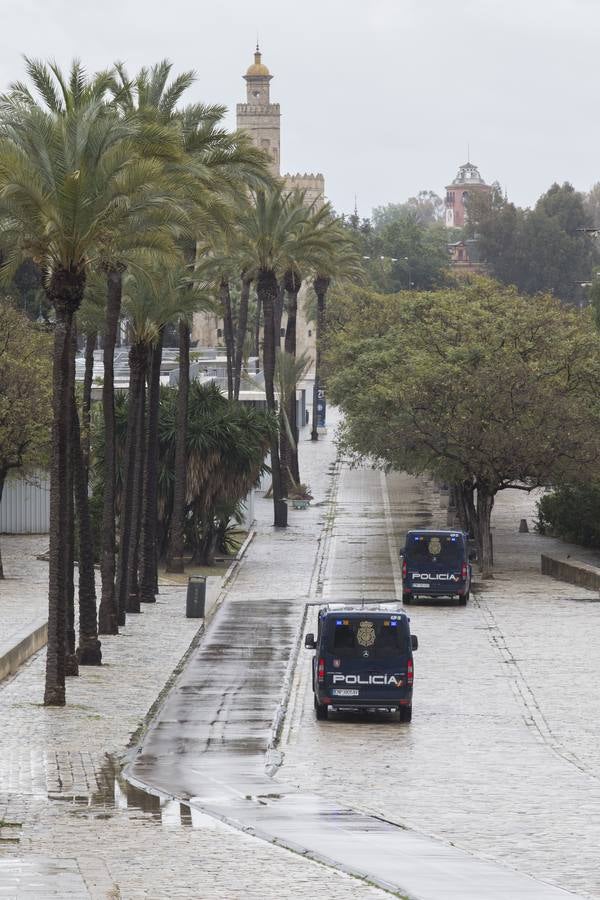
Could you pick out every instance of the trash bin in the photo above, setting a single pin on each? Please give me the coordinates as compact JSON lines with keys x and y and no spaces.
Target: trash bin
{"x":196,"y":597}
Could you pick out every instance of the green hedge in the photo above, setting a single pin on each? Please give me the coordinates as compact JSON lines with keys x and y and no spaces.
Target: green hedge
{"x":572,"y":512}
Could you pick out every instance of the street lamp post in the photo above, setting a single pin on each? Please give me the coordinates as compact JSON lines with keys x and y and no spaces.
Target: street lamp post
{"x":407,"y":261}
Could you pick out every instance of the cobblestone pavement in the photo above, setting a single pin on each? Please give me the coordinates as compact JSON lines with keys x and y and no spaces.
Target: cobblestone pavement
{"x":24,"y":592}
{"x":70,"y":826}
{"x":502,"y":757}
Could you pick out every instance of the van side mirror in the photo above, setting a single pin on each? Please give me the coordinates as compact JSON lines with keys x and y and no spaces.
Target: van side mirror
{"x":472,"y":555}
{"x":309,"y":642}
{"x":402,"y":551}
{"x":414,"y":642}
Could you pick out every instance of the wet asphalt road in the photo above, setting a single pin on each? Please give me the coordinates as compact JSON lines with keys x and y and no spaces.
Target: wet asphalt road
{"x":211,"y":737}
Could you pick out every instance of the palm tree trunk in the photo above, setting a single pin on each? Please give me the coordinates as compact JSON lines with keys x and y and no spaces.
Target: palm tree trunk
{"x":108,"y":616}
{"x":241,"y":334}
{"x":65,"y":292}
{"x":88,"y":651}
{"x":175,"y":561}
{"x":137,"y":355}
{"x":278,"y":314}
{"x":268,"y":288}
{"x":257,"y":328}
{"x":290,"y":347}
{"x":321,"y":285}
{"x":91,"y":340}
{"x":133,"y":595}
{"x":148,"y":574}
{"x":228,"y":333}
{"x":71,"y":662}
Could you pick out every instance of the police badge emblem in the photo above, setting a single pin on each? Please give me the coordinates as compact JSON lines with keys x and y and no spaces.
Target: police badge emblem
{"x":365,"y":634}
{"x":435,"y":546}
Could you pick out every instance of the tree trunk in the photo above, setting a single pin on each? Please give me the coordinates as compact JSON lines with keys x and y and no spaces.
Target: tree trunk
{"x":91,"y":340}
{"x":137,"y":355}
{"x":2,"y":480}
{"x":321,"y":285}
{"x":88,"y":651}
{"x":278,"y":313}
{"x":241,"y":335}
{"x":148,"y":551}
{"x":485,"y":504}
{"x":225,"y":295}
{"x":267,"y":288}
{"x":133,"y":593}
{"x":71,"y":662}
{"x":467,"y":514}
{"x":293,"y":283}
{"x":108,"y":613}
{"x":175,"y":561}
{"x":65,"y":291}
{"x":257,"y":328}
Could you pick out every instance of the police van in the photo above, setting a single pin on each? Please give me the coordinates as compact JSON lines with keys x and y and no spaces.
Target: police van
{"x":363,"y":660}
{"x":436,"y":564}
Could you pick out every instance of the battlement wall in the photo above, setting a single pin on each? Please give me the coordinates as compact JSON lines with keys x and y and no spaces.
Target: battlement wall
{"x":267,"y":109}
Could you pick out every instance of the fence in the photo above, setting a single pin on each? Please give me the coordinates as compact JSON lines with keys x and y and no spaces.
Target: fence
{"x":25,"y":506}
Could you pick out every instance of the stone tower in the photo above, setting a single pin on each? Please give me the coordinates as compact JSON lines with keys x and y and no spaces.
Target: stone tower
{"x":468,"y":180}
{"x":258,"y":116}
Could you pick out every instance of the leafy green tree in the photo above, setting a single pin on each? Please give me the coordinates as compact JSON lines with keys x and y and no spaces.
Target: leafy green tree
{"x":477,"y":385}
{"x":543,"y":249}
{"x":25,"y":393}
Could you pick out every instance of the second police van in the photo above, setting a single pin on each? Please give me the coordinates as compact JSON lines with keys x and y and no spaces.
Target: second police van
{"x":437,"y":564}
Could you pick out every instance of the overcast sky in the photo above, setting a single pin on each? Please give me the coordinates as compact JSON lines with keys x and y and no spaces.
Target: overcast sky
{"x":382,"y":96}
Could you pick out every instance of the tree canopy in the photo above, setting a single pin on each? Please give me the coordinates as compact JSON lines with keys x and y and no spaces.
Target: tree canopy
{"x":539,"y":249}
{"x":478,"y":385}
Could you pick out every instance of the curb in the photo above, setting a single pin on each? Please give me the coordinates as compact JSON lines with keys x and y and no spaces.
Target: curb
{"x":22,"y":645}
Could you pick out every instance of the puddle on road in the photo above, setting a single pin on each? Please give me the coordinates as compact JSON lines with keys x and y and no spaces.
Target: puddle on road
{"x":116,"y":795}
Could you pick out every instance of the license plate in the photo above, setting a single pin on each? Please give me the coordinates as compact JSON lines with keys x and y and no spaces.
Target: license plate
{"x":340,"y":692}
{"x":421,"y":585}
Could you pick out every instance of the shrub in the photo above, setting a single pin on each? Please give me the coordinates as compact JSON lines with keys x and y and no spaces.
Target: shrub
{"x":572,"y":512}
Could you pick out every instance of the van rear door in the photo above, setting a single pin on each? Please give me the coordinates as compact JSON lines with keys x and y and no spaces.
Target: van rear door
{"x":366,"y":658}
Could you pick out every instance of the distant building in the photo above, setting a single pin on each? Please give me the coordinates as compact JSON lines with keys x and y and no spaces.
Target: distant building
{"x":468,"y":181}
{"x":261,"y":119}
{"x":464,"y":254}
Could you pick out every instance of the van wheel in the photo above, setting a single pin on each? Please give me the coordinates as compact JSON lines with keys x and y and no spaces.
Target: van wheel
{"x":406,"y":599}
{"x":462,"y":601}
{"x":321,"y":710}
{"x":405,"y":713}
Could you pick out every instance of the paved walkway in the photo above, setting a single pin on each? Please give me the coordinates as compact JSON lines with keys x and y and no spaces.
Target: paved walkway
{"x":24,"y":592}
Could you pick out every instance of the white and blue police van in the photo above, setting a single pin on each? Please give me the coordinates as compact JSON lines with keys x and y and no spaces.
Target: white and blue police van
{"x":436,"y":564}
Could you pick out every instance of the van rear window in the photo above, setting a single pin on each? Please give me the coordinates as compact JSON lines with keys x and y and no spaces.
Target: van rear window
{"x":375,"y":638}
{"x":435,"y":548}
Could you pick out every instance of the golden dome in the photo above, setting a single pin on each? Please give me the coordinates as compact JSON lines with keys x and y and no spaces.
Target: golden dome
{"x":257,"y":67}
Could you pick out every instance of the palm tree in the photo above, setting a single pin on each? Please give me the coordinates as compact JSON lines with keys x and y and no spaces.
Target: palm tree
{"x":342,"y":262}
{"x":68,"y":180}
{"x":275,"y":239}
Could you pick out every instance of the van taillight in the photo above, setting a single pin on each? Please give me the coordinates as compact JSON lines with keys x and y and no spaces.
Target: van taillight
{"x":321,"y":670}
{"x":404,"y":568}
{"x":409,"y":672}
{"x":463,"y":572}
